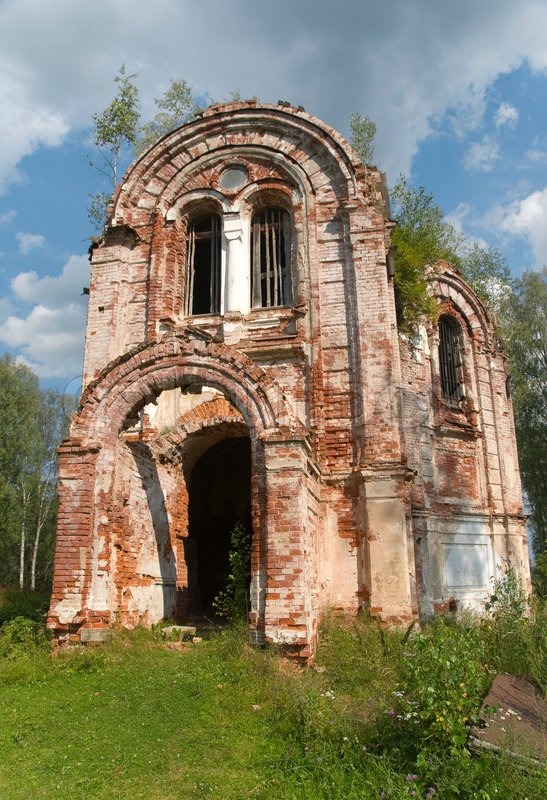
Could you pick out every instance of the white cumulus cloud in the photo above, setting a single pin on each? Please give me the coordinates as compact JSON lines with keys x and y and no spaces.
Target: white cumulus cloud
{"x":528,"y":218}
{"x":8,"y":217}
{"x":53,"y":290}
{"x":482,"y":156}
{"x":463,"y":221}
{"x":48,"y":340}
{"x":506,"y":115}
{"x":29,"y":242}
{"x":403,"y":64}
{"x":6,"y":308}
{"x":48,"y":337}
{"x":459,"y":216}
{"x":25,"y":124}
{"x":536,"y":156}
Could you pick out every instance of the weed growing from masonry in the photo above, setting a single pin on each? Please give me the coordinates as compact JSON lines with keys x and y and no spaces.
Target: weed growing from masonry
{"x":233,"y":602}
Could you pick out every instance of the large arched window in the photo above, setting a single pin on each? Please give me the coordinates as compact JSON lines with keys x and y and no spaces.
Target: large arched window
{"x":271,"y":258}
{"x":450,"y":360}
{"x":203,"y":265}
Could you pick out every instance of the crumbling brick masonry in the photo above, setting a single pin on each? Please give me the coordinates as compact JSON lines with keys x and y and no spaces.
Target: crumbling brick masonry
{"x":243,"y":364}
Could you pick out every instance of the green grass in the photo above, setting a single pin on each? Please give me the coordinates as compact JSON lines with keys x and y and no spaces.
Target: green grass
{"x":134,"y":719}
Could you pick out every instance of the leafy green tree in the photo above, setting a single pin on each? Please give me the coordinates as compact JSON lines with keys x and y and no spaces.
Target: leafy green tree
{"x":116,"y":128}
{"x":120,"y":134}
{"x":51,"y":423}
{"x":97,"y":210}
{"x":539,"y":575}
{"x":487,"y":272}
{"x":421,"y":238}
{"x":523,"y":325}
{"x":19,"y":404}
{"x":115,"y":136}
{"x":235,"y":97}
{"x":363,"y":131}
{"x":31,"y":425}
{"x":176,"y":107}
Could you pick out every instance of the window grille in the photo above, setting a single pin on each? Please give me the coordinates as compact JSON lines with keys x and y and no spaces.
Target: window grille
{"x":450,"y":360}
{"x":203,"y":266}
{"x":270,"y":258}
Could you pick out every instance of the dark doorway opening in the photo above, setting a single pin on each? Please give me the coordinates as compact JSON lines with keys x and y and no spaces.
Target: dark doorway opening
{"x":219,"y":498}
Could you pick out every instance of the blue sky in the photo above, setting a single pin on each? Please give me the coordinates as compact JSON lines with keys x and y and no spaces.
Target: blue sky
{"x":458,"y":92}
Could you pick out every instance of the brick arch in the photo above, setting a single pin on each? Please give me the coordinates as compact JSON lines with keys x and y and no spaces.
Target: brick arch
{"x":450,"y":288}
{"x":92,"y":520}
{"x":193,"y":201}
{"x":137,"y":378}
{"x":256,"y":197}
{"x":287,"y":136}
{"x":208,"y":422}
{"x":198,"y":177}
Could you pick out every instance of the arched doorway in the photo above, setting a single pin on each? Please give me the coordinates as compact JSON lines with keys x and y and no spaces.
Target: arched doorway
{"x":219,"y":497}
{"x":100,"y":574}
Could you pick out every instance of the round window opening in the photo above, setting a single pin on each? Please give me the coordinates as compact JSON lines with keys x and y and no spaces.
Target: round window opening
{"x":233,"y":177}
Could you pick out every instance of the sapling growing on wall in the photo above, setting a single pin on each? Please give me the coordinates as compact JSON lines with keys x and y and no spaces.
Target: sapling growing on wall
{"x":363,"y":131}
{"x":115,"y":137}
{"x":120,"y":134}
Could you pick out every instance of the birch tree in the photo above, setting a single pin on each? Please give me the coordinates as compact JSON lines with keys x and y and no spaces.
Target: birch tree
{"x":119,"y":133}
{"x":31,"y":425}
{"x":115,"y":137}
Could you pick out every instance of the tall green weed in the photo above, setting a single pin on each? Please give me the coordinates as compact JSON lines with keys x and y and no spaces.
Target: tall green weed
{"x":443,"y":682}
{"x":233,"y":601}
{"x":515,"y":631}
{"x":24,"y":651}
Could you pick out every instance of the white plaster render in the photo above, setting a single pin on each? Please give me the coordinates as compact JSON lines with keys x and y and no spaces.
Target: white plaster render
{"x":238,"y":287}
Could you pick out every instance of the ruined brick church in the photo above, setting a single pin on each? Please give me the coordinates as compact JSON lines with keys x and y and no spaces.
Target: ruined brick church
{"x":243,"y":364}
